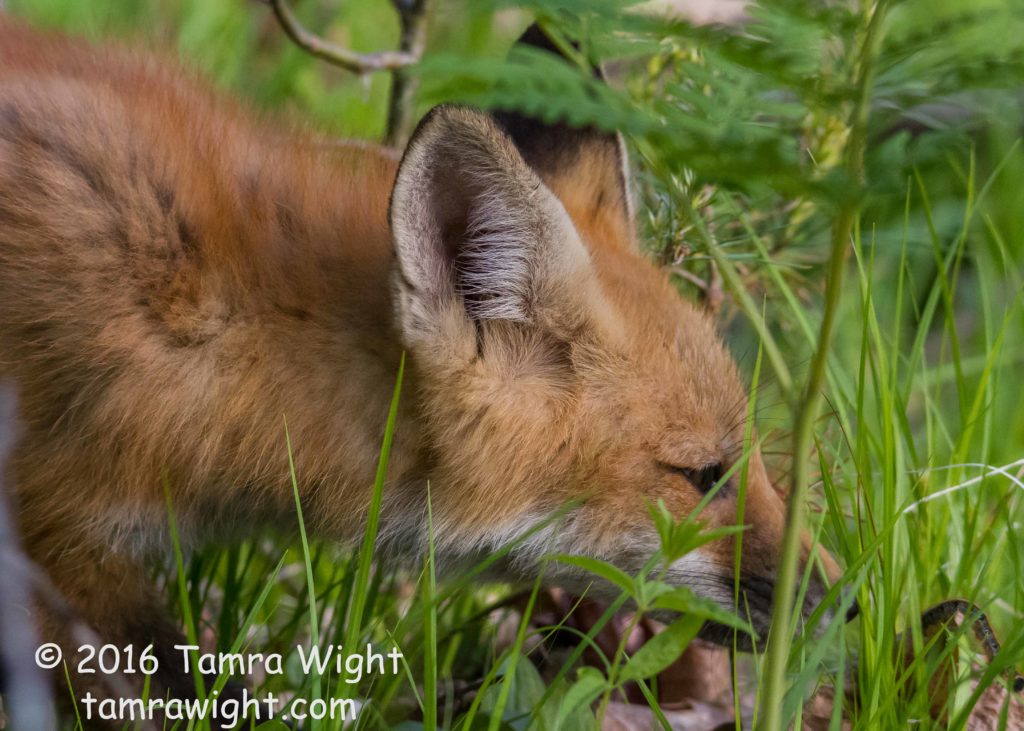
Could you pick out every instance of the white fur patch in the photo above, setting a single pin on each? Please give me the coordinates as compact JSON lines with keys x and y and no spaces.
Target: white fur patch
{"x":702,"y":575}
{"x":494,"y":266}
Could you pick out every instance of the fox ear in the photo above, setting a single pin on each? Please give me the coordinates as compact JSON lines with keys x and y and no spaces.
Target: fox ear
{"x":476,"y":232}
{"x":587,"y":168}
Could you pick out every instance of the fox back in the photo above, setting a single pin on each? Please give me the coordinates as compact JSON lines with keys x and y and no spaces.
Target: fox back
{"x":181,"y":281}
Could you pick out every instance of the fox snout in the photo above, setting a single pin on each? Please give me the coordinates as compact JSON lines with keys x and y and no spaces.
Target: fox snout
{"x":710,"y":570}
{"x":751,"y":596}
{"x":761,"y":554}
{"x":757,"y":585}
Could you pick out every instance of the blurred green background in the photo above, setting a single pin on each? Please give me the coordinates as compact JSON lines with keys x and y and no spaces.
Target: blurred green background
{"x":239,"y":45}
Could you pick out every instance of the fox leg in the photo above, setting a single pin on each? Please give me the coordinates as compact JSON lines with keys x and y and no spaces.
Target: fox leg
{"x":109,"y":600}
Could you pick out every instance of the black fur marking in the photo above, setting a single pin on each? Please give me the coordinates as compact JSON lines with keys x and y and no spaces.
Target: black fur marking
{"x":289,"y":222}
{"x":121,"y":236}
{"x":763,"y":590}
{"x":555,"y":148}
{"x":548,"y":147}
{"x":73,"y":160}
{"x":11,"y":121}
{"x":14,"y":128}
{"x":755,"y":592}
{"x":188,"y":236}
{"x":297,"y":312}
{"x":479,"y":333}
{"x":551,"y":148}
{"x":165,"y":197}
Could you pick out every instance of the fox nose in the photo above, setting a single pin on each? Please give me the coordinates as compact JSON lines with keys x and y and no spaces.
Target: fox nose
{"x":833,"y":575}
{"x":853,"y":612}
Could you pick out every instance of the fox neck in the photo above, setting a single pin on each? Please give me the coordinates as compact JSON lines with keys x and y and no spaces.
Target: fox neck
{"x":307,"y":374}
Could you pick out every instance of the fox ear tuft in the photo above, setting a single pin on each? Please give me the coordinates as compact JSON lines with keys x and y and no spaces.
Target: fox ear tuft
{"x":587,"y":168}
{"x":475,"y":229}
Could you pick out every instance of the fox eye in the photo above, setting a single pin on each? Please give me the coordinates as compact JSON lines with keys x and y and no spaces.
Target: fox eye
{"x":702,"y":478}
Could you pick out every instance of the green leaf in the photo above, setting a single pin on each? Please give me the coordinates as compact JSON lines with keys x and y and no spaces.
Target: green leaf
{"x":662,"y":650}
{"x":682,"y":599}
{"x":605,"y":570}
{"x":525,"y":689}
{"x":590,"y":683}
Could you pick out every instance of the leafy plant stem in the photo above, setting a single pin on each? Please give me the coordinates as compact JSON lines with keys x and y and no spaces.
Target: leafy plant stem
{"x":845,"y":226}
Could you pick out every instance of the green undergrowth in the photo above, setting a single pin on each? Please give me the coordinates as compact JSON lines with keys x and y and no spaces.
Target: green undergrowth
{"x":748,"y":147}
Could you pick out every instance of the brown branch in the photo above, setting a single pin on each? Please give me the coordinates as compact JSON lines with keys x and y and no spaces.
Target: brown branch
{"x":412,"y":16}
{"x":360,"y":63}
{"x":22,"y":583}
{"x":28,"y":691}
{"x":412,"y":19}
{"x":712,"y":295}
{"x":690,"y":277}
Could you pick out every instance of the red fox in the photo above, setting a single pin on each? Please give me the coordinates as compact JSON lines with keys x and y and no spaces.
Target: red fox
{"x":179,"y":276}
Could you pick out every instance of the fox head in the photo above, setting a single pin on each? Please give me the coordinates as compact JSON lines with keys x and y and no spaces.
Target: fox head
{"x":555,"y":363}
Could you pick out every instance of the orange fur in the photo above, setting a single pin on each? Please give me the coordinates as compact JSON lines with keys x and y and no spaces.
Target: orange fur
{"x":178,"y":277}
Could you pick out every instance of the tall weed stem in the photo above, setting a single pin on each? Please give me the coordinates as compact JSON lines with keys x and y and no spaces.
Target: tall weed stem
{"x":808,"y":406}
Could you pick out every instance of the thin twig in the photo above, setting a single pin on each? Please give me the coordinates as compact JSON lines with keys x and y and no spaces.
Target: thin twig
{"x":22,"y":585}
{"x":26,"y":687}
{"x":360,"y":63}
{"x":711,"y":293}
{"x":991,"y":470}
{"x":80,"y":633}
{"x":690,"y":277}
{"x":412,"y":15}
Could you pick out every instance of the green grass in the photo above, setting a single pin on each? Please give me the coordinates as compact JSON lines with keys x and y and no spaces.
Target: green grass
{"x":766,"y":159}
